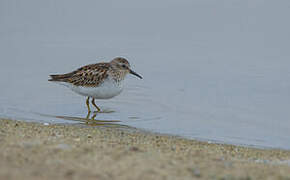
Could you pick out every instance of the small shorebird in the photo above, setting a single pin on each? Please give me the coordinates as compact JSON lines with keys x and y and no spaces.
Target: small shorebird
{"x":97,"y":81}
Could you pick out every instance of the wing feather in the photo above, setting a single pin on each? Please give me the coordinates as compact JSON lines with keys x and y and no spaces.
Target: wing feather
{"x":90,"y":75}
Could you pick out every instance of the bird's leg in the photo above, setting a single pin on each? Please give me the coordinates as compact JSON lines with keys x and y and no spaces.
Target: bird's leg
{"x":93,"y":102}
{"x":88,"y":104}
{"x":88,"y":115}
{"x":93,"y":117}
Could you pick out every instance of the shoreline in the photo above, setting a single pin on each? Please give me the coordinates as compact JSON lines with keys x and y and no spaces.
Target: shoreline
{"x":31,"y":150}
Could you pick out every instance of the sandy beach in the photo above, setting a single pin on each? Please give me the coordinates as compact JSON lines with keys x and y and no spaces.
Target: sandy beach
{"x":38,"y":151}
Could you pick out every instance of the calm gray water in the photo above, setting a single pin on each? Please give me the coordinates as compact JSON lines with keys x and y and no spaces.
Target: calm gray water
{"x":213,"y":70}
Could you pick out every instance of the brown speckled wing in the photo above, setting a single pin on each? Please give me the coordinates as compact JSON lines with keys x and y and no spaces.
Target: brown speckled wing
{"x":89,"y":76}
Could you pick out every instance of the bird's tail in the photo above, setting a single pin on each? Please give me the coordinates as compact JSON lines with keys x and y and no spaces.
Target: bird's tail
{"x":59,"y":77}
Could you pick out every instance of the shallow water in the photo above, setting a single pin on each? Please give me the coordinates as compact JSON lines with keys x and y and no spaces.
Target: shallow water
{"x":213,"y":70}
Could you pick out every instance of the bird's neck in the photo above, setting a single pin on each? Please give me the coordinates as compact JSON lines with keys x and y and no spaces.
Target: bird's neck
{"x":118,"y":75}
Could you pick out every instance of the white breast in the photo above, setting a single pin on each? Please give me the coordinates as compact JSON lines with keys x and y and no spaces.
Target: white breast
{"x":108,"y":89}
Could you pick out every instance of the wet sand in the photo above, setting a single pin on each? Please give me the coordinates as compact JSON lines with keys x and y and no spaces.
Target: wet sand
{"x":37,"y":151}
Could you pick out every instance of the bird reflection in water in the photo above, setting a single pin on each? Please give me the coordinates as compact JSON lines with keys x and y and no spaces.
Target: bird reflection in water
{"x":90,"y":120}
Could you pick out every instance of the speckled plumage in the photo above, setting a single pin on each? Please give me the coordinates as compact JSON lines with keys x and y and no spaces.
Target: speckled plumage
{"x":98,"y":81}
{"x":88,"y":76}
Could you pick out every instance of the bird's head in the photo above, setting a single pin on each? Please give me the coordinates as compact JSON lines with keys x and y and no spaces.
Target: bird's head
{"x":123,"y":65}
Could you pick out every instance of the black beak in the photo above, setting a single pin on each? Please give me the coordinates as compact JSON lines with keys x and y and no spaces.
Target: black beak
{"x":132,"y":72}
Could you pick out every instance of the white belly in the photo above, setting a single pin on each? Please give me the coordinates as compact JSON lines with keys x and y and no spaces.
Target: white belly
{"x":108,"y":89}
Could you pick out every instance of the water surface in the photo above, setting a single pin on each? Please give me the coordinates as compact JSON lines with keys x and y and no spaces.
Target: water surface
{"x":213,"y":70}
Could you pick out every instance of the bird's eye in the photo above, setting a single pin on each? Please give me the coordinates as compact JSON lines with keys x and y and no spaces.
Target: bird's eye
{"x":124,"y":66}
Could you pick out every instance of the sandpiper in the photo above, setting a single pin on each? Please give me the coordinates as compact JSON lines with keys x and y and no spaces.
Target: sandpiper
{"x":97,"y":81}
